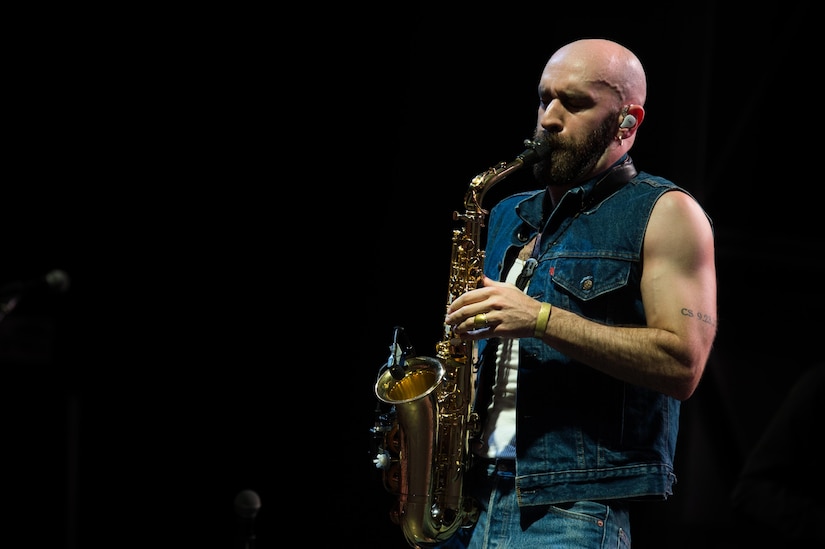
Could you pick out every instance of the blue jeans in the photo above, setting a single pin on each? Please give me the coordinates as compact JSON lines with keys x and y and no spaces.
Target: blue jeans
{"x":502,"y":524}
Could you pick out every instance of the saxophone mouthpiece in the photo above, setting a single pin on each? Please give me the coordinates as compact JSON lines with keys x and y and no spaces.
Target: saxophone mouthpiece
{"x":536,"y":150}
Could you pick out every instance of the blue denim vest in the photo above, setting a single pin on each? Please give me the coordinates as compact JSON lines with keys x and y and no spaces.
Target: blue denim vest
{"x":581,"y":434}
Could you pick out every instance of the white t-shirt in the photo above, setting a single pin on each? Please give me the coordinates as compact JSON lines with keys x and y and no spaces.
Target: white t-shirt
{"x":501,"y":413}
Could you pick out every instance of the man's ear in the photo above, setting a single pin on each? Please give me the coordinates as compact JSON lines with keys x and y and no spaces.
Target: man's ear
{"x":631,"y":117}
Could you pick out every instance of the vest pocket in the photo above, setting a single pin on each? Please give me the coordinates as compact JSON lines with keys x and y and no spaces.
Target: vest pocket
{"x":588,"y":278}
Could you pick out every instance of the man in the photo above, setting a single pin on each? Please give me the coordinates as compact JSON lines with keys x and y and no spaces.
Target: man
{"x":596,"y":319}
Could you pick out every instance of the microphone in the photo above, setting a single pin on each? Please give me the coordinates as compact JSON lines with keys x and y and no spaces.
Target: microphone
{"x":56,"y":282}
{"x":247,"y":504}
{"x":399,"y":351}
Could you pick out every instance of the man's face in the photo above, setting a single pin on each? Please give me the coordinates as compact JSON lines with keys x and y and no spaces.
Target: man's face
{"x":574,"y":160}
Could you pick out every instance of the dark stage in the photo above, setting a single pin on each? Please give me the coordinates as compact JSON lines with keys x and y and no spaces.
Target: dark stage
{"x":244,"y":225}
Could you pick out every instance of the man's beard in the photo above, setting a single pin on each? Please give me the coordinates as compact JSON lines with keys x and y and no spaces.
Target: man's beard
{"x":572,"y":162}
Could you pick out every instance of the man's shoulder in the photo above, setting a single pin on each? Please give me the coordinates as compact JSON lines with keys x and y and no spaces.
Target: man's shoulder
{"x":645,"y":178}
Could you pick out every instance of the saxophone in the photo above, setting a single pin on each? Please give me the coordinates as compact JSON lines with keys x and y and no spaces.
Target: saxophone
{"x":424,"y":439}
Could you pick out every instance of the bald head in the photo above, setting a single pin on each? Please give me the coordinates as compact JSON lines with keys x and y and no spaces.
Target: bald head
{"x":604,"y":63}
{"x":591,"y":105}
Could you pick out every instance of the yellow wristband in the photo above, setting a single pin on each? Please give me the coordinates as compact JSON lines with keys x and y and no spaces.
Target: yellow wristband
{"x":542,"y":320}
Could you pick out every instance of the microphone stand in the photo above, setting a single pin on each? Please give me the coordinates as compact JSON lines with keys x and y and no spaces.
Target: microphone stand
{"x":56,"y":281}
{"x":8,"y":306}
{"x":247,"y":504}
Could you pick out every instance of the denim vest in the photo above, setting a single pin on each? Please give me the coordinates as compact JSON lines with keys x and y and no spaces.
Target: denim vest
{"x":581,"y":434}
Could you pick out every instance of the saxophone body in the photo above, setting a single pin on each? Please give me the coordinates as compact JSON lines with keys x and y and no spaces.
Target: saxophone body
{"x":424,"y":439}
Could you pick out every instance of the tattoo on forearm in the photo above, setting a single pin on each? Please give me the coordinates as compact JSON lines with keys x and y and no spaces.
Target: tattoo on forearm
{"x":707,"y":319}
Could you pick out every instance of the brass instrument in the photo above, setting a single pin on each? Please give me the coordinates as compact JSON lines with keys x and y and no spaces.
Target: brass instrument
{"x":424,"y":453}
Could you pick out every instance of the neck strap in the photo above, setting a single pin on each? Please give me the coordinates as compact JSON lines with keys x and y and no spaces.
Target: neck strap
{"x":617,"y":176}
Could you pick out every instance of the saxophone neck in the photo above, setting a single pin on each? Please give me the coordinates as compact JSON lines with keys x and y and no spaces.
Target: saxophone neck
{"x":483,"y":182}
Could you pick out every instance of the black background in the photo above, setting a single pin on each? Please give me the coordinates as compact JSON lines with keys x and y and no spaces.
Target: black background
{"x":248,"y":203}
